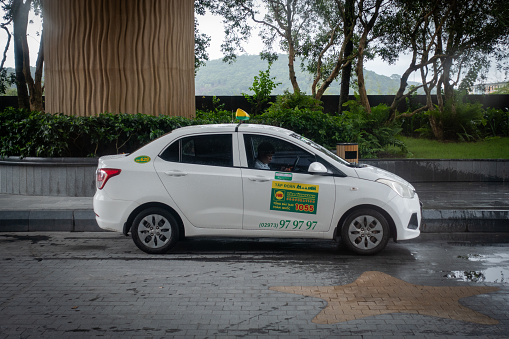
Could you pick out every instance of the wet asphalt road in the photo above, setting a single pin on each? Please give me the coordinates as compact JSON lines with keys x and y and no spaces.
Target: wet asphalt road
{"x":100,"y":284}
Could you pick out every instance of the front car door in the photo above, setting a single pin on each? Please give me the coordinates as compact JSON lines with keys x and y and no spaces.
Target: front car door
{"x":202,"y":177}
{"x":285,"y":199}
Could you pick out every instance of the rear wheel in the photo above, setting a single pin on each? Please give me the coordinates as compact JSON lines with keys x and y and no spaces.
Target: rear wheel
{"x":365,"y":231}
{"x":155,"y":230}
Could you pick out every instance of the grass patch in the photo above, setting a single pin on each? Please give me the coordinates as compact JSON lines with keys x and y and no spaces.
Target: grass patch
{"x":493,"y":148}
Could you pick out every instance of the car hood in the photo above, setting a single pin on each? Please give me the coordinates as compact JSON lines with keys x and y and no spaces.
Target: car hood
{"x":374,"y":173}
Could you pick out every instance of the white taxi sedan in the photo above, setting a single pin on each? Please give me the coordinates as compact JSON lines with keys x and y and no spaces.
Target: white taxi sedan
{"x":250,"y":180}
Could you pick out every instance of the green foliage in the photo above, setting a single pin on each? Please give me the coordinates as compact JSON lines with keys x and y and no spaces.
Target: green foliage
{"x":295,"y":101}
{"x":495,"y":122}
{"x":7,"y":79}
{"x":24,"y":133}
{"x":463,"y":121}
{"x":370,"y":131}
{"x":304,"y":115}
{"x":320,"y":127}
{"x":263,"y":85}
{"x":218,"y":115}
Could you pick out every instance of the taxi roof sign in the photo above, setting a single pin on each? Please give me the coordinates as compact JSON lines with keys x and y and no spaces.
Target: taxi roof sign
{"x":241,"y":114}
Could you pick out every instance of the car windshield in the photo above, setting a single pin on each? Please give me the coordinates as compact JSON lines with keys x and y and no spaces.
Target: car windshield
{"x":321,"y":149}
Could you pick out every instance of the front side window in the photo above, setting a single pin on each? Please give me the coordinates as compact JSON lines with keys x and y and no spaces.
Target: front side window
{"x":264,"y":152}
{"x":212,"y":150}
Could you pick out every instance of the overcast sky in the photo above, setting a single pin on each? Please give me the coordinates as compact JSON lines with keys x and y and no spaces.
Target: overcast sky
{"x":212,"y":26}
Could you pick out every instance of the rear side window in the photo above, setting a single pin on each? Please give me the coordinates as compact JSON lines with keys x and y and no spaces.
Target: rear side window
{"x":212,"y":150}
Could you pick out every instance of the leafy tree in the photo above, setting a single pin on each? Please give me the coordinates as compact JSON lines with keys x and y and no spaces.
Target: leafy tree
{"x":447,"y":40}
{"x":286,"y":22}
{"x":30,"y":88}
{"x":328,"y":34}
{"x":201,"y":40}
{"x":327,"y":51}
{"x":5,"y":80}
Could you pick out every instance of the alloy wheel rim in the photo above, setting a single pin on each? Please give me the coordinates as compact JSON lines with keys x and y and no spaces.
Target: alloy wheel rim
{"x":154,"y":231}
{"x":365,"y":232}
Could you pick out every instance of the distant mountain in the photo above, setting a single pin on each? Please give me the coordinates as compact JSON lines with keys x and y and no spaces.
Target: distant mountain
{"x":219,"y":78}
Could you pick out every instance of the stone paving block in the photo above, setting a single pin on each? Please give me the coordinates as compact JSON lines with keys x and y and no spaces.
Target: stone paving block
{"x":54,"y":221}
{"x":14,"y":221}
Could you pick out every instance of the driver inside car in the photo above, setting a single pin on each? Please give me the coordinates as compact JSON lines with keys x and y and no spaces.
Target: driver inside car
{"x":265,"y":153}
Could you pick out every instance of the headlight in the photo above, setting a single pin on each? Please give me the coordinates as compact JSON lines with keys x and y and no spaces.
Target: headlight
{"x":400,"y":188}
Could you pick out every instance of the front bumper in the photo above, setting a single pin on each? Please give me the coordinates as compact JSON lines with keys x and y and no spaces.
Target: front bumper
{"x":407,"y":216}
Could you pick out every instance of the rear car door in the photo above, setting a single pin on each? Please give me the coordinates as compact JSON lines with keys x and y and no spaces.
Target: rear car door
{"x":199,"y":174}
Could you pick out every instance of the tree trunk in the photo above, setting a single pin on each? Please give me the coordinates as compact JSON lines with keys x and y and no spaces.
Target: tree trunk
{"x":21,"y":57}
{"x":291,"y":67}
{"x":363,"y":95}
{"x":36,"y":90}
{"x":347,"y":70}
{"x":448,"y":88}
{"x":360,"y":60}
{"x":402,"y":87}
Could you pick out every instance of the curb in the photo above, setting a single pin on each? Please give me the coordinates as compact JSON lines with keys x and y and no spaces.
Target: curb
{"x":49,"y":221}
{"x":434,"y":221}
{"x":456,"y":221}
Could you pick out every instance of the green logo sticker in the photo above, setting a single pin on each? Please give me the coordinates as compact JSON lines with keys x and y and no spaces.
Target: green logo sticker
{"x":142,"y":159}
{"x":283,"y":176}
{"x":294,"y":197}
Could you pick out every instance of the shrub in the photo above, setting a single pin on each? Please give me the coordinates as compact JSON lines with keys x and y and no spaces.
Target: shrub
{"x":26,"y":133}
{"x":295,"y":100}
{"x":370,"y":131}
{"x":38,"y":134}
{"x":320,"y":127}
{"x":463,"y":122}
{"x":495,"y":122}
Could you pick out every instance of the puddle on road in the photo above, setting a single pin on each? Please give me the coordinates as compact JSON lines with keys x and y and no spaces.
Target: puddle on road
{"x":496,"y":272}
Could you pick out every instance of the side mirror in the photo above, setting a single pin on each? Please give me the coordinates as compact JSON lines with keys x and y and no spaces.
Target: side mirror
{"x":317,"y":168}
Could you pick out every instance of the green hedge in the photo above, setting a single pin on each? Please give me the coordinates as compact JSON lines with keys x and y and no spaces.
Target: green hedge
{"x":35,"y":134}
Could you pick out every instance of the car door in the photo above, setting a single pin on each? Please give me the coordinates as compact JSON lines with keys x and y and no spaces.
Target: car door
{"x":285,"y":198}
{"x":199,"y":174}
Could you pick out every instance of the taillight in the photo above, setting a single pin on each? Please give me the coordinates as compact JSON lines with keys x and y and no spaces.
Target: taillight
{"x":102,"y":175}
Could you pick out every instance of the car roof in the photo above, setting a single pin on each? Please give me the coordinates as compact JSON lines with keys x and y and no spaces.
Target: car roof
{"x":233,"y":127}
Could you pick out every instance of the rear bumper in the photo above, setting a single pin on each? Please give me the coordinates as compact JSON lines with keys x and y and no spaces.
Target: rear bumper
{"x":111,"y":214}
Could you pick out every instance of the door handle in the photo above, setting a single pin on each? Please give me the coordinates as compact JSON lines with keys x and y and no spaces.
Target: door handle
{"x":175,"y":173}
{"x":259,"y":179}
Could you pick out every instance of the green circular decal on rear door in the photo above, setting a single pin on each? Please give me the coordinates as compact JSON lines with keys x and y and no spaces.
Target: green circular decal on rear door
{"x":142,"y":159}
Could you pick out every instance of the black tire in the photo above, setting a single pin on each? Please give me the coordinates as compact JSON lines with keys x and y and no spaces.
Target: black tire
{"x":155,"y":230}
{"x":365,"y":231}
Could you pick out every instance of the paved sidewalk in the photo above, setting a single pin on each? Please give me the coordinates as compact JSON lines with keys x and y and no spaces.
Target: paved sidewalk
{"x":448,"y":207}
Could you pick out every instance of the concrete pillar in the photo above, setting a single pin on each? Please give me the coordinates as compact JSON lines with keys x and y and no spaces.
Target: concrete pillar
{"x":120,"y":56}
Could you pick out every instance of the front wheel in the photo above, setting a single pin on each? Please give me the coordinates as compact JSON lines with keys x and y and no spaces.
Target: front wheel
{"x":365,"y":231}
{"x":155,"y":230}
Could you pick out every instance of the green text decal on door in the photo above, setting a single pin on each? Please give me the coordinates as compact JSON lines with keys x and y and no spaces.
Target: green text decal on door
{"x":294,"y":197}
